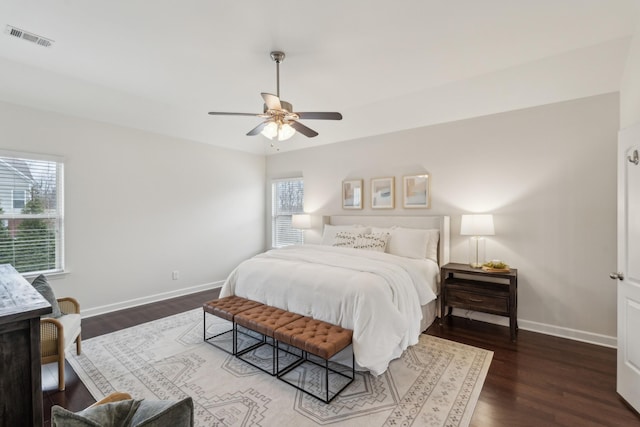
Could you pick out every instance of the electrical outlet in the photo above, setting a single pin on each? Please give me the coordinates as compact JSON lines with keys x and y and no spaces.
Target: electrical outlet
{"x":175,"y":275}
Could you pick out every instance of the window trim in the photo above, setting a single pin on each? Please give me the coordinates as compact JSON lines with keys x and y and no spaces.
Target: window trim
{"x":274,"y":182}
{"x":60,"y":248}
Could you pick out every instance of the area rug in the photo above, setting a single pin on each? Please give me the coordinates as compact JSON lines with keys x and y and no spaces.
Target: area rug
{"x":435,"y":383}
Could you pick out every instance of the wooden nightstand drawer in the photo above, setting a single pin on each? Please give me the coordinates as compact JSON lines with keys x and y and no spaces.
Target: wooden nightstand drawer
{"x":477,"y":302}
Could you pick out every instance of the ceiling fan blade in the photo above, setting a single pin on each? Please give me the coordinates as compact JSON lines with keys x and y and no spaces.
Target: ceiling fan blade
{"x":256,"y":130}
{"x":303,"y":129}
{"x":215,"y":113}
{"x":272,"y":101}
{"x":320,"y":116}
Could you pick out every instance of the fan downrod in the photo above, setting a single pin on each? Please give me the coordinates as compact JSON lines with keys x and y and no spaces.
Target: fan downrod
{"x":278,"y":57}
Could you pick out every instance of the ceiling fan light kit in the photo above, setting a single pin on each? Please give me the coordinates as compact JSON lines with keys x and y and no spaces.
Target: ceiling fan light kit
{"x":281,"y":122}
{"x":280,"y":131}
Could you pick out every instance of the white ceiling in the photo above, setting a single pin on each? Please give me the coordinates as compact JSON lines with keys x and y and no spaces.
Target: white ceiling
{"x":161,"y":65}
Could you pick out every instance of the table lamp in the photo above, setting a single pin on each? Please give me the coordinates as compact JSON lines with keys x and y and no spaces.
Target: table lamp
{"x":476,"y":226}
{"x":301,"y":221}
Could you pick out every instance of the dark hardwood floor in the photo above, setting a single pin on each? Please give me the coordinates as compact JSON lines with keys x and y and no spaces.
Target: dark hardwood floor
{"x":542,"y":380}
{"x":539,"y":381}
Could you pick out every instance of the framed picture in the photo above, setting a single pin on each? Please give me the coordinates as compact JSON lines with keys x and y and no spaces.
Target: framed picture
{"x":416,"y":191}
{"x":352,"y":194}
{"x":382,"y":193}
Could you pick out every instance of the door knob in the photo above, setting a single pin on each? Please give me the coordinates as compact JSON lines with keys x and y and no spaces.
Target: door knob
{"x":618,"y":276}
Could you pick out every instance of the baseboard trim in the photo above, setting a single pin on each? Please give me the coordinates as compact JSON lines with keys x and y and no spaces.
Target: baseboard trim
{"x":572,"y":334}
{"x":104,"y":309}
{"x":543,"y":328}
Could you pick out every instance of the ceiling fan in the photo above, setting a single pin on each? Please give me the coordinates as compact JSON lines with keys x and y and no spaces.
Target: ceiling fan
{"x":281,"y":122}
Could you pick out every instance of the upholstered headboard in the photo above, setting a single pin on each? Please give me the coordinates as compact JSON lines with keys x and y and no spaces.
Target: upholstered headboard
{"x":425,"y":222}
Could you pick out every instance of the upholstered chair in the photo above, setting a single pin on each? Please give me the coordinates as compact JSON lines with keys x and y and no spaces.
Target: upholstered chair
{"x":120,"y":409}
{"x":57,"y":334}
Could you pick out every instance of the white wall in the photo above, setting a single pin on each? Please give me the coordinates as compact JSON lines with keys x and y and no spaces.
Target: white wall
{"x":630,"y":85}
{"x":548,"y":174}
{"x":140,"y":205}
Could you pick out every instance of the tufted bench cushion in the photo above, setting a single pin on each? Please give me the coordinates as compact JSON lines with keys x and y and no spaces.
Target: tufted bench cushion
{"x":314,"y":336}
{"x":228,"y":307}
{"x":320,"y":339}
{"x":265,"y":319}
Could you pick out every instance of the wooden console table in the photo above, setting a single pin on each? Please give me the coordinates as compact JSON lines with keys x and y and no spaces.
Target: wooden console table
{"x":20,"y":371}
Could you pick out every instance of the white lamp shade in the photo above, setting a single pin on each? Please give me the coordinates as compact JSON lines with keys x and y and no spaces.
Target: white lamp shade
{"x":477,"y":225}
{"x":285,"y":132}
{"x":270,"y":130}
{"x":279,"y":130}
{"x":301,"y":221}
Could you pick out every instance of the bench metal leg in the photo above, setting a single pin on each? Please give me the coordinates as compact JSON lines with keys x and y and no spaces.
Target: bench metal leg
{"x":263,"y":342}
{"x":328,"y":396}
{"x":210,"y":340}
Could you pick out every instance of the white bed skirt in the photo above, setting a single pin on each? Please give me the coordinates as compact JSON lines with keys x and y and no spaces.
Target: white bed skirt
{"x":429,"y":314}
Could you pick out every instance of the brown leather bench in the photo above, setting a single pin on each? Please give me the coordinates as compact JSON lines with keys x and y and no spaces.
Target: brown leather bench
{"x":309,"y":336}
{"x":226,"y":308}
{"x":321,"y":339}
{"x":265,"y":320}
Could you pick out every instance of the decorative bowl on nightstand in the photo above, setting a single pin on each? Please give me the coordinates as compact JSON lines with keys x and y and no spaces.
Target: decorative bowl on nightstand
{"x":496,"y":266}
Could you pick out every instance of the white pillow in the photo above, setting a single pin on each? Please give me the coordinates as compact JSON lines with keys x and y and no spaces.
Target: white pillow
{"x":329,"y":233}
{"x":409,"y":242}
{"x":382,"y":229}
{"x":432,"y":245}
{"x":432,"y":242}
{"x":371,"y":241}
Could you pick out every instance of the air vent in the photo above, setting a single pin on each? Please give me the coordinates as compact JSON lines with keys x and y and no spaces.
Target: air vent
{"x":30,"y":37}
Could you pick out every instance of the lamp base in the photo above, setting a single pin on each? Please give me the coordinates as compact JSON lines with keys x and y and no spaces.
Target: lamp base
{"x":476,"y":251}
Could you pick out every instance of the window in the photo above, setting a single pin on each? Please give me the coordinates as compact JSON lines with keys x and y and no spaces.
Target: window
{"x":287,"y":199}
{"x":31,"y":212}
{"x":19,"y":198}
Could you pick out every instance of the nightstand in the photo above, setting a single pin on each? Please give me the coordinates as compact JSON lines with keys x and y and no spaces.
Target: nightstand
{"x":468,"y":288}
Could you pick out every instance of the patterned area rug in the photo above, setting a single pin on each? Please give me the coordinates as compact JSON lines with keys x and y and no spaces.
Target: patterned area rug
{"x":435,"y":383}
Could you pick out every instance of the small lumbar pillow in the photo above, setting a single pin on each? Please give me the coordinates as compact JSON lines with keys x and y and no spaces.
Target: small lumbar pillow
{"x":330,"y":231}
{"x":42,"y":286}
{"x":372,"y":241}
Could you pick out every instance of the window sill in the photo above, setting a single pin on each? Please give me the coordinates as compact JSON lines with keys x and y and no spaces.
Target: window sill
{"x":49,"y":275}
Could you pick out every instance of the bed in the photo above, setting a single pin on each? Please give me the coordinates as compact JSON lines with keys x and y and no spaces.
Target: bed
{"x":386,"y":295}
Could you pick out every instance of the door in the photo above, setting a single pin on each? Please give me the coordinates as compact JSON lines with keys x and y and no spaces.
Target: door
{"x":628,"y":274}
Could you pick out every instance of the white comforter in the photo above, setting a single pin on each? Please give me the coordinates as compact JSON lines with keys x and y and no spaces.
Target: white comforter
{"x":375,"y":294}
